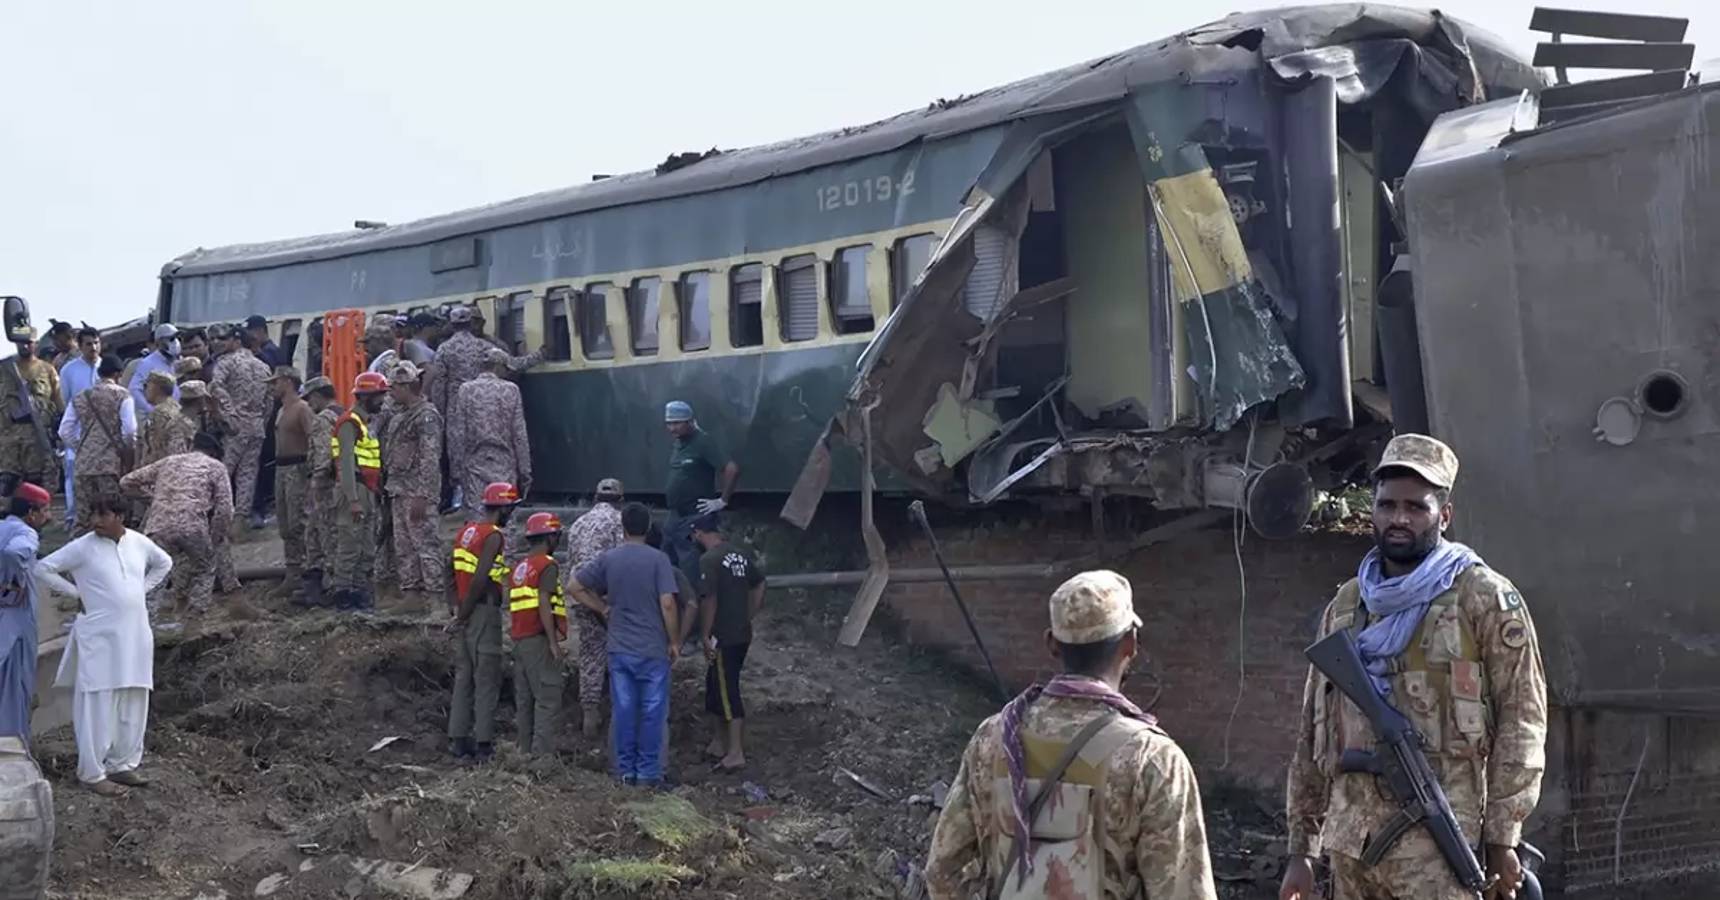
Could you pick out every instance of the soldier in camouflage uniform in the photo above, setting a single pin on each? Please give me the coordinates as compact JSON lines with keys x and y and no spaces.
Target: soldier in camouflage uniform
{"x":1148,"y":840}
{"x":190,"y":505}
{"x":167,"y":430}
{"x":598,"y":530}
{"x":240,"y":386}
{"x":21,"y":450}
{"x":1453,"y":649}
{"x":487,"y":434}
{"x":101,"y":429}
{"x":320,"y":503}
{"x":459,"y":359}
{"x":411,"y":453}
{"x":188,"y":368}
{"x":357,"y":456}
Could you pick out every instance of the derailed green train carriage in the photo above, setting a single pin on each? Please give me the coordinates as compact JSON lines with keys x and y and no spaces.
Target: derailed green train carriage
{"x":1125,"y":256}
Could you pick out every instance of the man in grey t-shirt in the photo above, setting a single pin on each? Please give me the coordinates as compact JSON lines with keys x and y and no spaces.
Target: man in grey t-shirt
{"x":633,"y":588}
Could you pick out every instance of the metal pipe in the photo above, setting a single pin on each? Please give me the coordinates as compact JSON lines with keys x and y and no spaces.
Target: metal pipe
{"x":917,"y":510}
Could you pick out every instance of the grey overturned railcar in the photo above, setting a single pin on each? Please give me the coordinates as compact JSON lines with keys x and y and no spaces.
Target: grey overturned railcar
{"x":1565,"y":292}
{"x":1117,"y":234}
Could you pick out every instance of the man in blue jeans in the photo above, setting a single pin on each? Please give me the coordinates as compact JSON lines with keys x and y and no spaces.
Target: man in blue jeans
{"x":633,"y":588}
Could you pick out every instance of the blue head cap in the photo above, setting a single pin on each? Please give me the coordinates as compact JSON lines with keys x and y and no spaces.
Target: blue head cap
{"x":677,"y":411}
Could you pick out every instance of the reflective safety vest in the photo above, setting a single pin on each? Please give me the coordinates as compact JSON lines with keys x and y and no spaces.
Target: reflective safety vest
{"x":468,"y":546}
{"x":524,"y":596}
{"x":366,"y":453}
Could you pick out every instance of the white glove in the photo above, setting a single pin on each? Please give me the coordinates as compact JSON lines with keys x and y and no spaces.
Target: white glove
{"x":711,"y":506}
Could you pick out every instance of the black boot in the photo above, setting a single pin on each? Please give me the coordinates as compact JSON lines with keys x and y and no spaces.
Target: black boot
{"x":460,"y":748}
{"x":485,"y":751}
{"x":310,"y":589}
{"x":345,"y":599}
{"x":364,"y":600}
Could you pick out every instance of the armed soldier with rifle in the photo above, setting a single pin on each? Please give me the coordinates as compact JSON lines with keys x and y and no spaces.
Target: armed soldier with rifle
{"x":1424,"y":718}
{"x":30,"y":392}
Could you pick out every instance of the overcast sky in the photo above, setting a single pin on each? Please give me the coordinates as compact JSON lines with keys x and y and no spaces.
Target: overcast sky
{"x":134,"y":132}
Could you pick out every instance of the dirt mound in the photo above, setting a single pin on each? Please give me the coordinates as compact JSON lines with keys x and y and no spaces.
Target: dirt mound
{"x":263,"y":744}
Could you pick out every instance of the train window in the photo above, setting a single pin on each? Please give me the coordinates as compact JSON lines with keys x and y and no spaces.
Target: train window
{"x":746,"y":305}
{"x":798,"y":304}
{"x":314,"y":350}
{"x":695,"y":298}
{"x":555,"y":311}
{"x":850,"y":301}
{"x":592,"y":313}
{"x":907,"y":261}
{"x":511,"y":330}
{"x":642,"y":314}
{"x":289,"y":338}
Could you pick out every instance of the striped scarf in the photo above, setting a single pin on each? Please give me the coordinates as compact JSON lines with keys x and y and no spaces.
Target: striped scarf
{"x":1074,"y":687}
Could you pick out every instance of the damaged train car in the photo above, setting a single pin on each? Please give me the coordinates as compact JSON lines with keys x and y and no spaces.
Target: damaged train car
{"x":1164,"y":283}
{"x":1571,"y":352}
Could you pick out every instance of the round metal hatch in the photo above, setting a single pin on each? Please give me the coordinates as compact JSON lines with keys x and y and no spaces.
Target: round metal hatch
{"x":1280,"y":500}
{"x":1618,"y":421}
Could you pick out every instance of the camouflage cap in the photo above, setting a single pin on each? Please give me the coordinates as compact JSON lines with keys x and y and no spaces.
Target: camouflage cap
{"x":194,"y":390}
{"x":404,"y":372}
{"x":319,"y":383}
{"x":495,"y":356}
{"x":610,"y":487}
{"x":460,"y":314}
{"x":187,"y":365}
{"x":286,"y":372}
{"x":1426,"y":457}
{"x":161,"y":380}
{"x":1092,"y":606}
{"x":379,"y":327}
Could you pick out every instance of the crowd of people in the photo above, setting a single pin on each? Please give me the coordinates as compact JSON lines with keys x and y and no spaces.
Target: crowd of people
{"x":162,"y":460}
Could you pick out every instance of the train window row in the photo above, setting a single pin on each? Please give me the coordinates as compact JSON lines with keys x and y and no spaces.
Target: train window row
{"x":580,"y":315}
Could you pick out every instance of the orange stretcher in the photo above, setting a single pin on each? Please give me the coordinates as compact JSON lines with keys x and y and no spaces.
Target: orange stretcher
{"x":343,"y":350}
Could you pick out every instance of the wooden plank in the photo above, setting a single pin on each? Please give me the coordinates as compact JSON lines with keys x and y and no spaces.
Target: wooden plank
{"x":1615,"y":26}
{"x":1655,"y":57}
{"x":1603,"y":90}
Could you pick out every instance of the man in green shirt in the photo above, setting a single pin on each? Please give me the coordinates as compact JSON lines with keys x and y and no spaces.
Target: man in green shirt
{"x":696,"y":464}
{"x":731,"y":590}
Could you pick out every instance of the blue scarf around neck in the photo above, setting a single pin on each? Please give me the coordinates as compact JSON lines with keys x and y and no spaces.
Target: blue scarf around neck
{"x":1401,"y":602}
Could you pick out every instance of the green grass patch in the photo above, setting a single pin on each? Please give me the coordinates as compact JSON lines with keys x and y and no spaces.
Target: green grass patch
{"x":670,"y":820}
{"x":627,"y":873}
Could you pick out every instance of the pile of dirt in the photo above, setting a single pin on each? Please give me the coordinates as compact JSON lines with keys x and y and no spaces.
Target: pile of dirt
{"x":303,"y":756}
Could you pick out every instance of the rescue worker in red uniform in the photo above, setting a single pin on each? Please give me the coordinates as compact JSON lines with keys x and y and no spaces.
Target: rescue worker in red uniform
{"x":538,"y":618}
{"x":475,"y":601}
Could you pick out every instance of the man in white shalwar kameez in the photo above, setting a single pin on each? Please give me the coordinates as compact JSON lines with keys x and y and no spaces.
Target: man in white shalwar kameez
{"x":110,"y":660}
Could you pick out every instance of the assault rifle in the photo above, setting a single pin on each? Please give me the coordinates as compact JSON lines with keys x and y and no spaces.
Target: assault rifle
{"x":1399,"y":760}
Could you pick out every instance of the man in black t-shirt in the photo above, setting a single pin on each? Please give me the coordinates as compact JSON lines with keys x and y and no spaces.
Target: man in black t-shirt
{"x":731,"y":590}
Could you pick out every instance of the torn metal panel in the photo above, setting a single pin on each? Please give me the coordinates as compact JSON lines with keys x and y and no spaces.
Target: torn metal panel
{"x":959,"y":426}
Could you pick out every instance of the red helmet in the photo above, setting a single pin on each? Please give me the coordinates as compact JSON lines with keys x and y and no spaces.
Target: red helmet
{"x":539,"y":524}
{"x":501,"y":494}
{"x":369,"y":383}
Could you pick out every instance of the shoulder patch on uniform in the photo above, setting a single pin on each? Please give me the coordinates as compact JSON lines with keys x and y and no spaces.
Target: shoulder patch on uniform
{"x":1510,"y":600}
{"x":1513,"y":633}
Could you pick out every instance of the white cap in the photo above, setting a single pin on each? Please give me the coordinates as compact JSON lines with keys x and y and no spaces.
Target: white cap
{"x":165,"y":332}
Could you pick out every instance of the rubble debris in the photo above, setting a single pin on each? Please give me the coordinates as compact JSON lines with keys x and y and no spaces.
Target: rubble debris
{"x":415,"y":881}
{"x":834,"y":839}
{"x":383,"y":743}
{"x":844,"y":775}
{"x":959,"y":426}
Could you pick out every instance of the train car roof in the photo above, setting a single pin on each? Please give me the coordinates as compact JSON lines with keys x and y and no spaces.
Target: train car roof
{"x":1210,"y":48}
